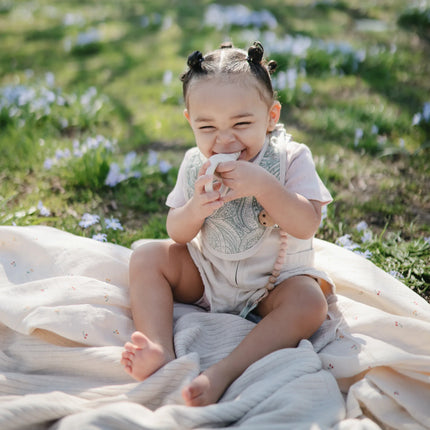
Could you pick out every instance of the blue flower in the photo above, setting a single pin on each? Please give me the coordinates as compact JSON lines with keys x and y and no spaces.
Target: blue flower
{"x":101,"y":237}
{"x":164,"y":166}
{"x":88,"y":220}
{"x":113,"y":223}
{"x":42,"y":209}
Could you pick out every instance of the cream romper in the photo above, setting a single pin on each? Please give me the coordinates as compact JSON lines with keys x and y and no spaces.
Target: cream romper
{"x":234,"y":252}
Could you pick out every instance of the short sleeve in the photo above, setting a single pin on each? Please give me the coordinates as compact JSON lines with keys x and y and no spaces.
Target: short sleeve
{"x":176,"y":197}
{"x":301,"y":176}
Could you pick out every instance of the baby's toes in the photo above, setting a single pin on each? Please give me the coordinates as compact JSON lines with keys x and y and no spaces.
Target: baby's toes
{"x":130,"y":347}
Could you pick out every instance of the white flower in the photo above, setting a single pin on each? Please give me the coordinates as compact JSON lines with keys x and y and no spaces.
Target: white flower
{"x":113,"y":223}
{"x":88,"y":220}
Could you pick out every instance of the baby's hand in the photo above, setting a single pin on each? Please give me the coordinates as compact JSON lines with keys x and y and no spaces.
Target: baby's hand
{"x":242,"y":178}
{"x":203,"y":202}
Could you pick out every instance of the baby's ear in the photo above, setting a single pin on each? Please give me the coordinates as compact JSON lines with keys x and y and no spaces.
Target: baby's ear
{"x":274,"y":114}
{"x":187,"y":114}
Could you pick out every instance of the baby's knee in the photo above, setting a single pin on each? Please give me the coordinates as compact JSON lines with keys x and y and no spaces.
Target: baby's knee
{"x":315,"y":307}
{"x":150,"y":254}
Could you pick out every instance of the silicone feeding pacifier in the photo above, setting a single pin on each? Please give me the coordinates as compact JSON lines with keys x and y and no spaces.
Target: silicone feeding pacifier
{"x":214,"y":161}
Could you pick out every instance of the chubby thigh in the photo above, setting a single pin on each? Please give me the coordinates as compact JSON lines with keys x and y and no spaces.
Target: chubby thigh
{"x":174,"y":262}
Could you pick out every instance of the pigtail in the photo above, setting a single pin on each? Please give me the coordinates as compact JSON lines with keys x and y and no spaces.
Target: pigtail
{"x":255,"y":57}
{"x":255,"y":53}
{"x":272,"y":66}
{"x":195,"y":60}
{"x":226,"y":45}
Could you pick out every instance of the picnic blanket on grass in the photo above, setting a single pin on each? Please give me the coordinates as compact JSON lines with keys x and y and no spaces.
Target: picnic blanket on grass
{"x":64,"y":317}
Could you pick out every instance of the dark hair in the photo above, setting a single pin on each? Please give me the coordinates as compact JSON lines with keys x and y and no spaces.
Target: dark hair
{"x":228,"y":60}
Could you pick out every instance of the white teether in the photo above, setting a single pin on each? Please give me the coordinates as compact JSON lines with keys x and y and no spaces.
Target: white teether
{"x":214,"y":161}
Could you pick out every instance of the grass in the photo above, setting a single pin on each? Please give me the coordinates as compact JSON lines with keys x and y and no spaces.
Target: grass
{"x":91,"y":113}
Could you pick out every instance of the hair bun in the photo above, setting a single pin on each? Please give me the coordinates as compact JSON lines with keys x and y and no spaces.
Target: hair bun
{"x":195,"y":60}
{"x":272,"y":66}
{"x":226,"y":45}
{"x":255,"y":53}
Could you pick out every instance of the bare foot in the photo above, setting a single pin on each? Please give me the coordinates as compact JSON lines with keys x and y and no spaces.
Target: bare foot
{"x":208,"y":387}
{"x":142,"y":357}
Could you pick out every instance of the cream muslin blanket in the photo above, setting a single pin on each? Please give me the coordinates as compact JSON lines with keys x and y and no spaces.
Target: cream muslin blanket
{"x":64,"y":316}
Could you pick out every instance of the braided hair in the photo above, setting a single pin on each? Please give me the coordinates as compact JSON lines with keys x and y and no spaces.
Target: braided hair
{"x":232,"y":62}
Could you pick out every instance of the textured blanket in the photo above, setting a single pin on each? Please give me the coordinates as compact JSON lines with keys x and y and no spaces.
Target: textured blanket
{"x":64,"y":316}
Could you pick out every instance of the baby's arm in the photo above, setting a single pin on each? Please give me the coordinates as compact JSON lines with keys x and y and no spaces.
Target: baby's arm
{"x":183,"y":223}
{"x":294,"y":213}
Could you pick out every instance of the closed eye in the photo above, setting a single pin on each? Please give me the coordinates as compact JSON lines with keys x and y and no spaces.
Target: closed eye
{"x":242,"y":124}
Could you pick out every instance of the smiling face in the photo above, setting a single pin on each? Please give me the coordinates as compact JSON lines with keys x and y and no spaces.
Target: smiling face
{"x":228,"y":116}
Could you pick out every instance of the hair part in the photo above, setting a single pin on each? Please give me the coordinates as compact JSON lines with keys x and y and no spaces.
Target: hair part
{"x":227,"y":62}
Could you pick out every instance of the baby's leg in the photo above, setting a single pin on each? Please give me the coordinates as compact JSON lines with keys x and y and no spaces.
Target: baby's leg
{"x":160,"y":271}
{"x":293,"y":311}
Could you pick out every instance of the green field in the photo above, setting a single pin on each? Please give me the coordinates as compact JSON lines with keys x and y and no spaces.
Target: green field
{"x":91,"y":113}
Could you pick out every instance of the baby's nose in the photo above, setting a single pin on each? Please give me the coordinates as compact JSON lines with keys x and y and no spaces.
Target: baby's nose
{"x":225,"y":137}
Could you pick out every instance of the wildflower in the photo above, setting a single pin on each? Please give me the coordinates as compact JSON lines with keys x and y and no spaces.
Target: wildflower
{"x":427,"y":240}
{"x":113,"y":223}
{"x":88,"y":220}
{"x":416,"y":119}
{"x":226,"y":16}
{"x":426,"y":111}
{"x":323,"y":215}
{"x":367,"y":236}
{"x":129,"y":160}
{"x":366,"y":254}
{"x":152,"y":158}
{"x":361,"y":226}
{"x":396,"y":274}
{"x":167,"y":77}
{"x":164,"y":166}
{"x":48,"y":163}
{"x":346,"y":242}
{"x":375,"y":129}
{"x":91,"y":36}
{"x":42,"y":209}
{"x":358,"y":136}
{"x":114,"y":176}
{"x":50,"y":79}
{"x":101,"y":237}
{"x":306,"y":88}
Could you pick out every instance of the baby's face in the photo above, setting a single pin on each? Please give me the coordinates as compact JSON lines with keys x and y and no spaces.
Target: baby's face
{"x":229,"y":117}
